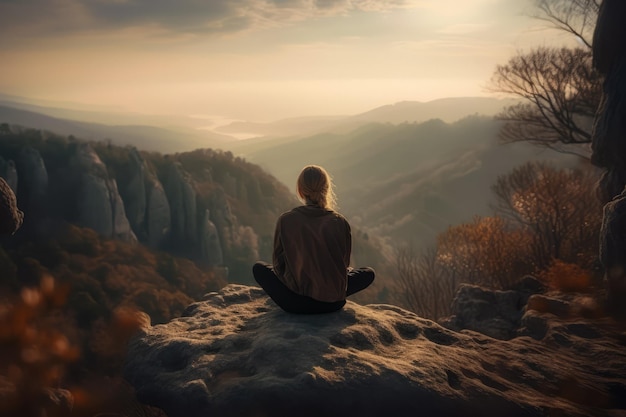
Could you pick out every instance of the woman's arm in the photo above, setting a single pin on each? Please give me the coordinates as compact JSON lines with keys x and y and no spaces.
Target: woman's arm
{"x":278,"y":255}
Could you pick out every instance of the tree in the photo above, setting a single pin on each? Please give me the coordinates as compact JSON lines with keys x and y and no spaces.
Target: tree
{"x":427,"y":287}
{"x":559,"y":88}
{"x":577,"y":17}
{"x":486,"y":252}
{"x":556,"y":208}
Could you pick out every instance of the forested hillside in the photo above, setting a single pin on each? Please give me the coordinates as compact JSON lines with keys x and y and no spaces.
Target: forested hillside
{"x":410,"y":181}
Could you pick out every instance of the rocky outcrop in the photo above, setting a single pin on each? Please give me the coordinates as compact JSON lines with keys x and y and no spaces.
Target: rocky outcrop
{"x":491,"y":312}
{"x":99,"y":206}
{"x":613,"y":252}
{"x":134,"y":194}
{"x":210,"y":247}
{"x":8,"y":171}
{"x":158,"y":218}
{"x":236,"y":354}
{"x":182,"y":200}
{"x":609,"y":145}
{"x":33,"y":186}
{"x":10,"y":216}
{"x":222,"y":217}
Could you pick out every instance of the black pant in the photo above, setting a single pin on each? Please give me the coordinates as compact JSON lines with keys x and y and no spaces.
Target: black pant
{"x":358,"y":279}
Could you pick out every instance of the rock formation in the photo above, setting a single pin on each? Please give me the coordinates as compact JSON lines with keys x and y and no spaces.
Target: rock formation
{"x":222,"y":217}
{"x":210,"y":247}
{"x":134,"y":194}
{"x":10,"y":216}
{"x":33,"y":186}
{"x":182,"y":201}
{"x":100,"y":206}
{"x":158,"y":218}
{"x":494,"y":313}
{"x":236,"y":354}
{"x":609,"y":144}
{"x":9,"y":173}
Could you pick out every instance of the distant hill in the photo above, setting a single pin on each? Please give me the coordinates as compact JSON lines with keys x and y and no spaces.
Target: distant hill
{"x":447,"y":109}
{"x":107,"y":115}
{"x":408,"y":181}
{"x":149,"y":138}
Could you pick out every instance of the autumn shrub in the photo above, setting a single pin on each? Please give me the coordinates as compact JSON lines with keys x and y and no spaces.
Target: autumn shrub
{"x":488,"y":251}
{"x":547,"y":223}
{"x":567,"y":277}
{"x":40,"y":354}
{"x":34,"y":351}
{"x":557,"y":208}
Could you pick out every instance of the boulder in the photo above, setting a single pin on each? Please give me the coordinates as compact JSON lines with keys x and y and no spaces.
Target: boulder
{"x":494,"y":313}
{"x":10,"y":216}
{"x":8,"y":171}
{"x":237,"y":354}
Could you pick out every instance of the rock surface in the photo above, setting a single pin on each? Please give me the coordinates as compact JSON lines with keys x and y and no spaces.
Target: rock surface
{"x":609,"y":145}
{"x":100,"y":206}
{"x":158,"y":217}
{"x":491,"y":312}
{"x":182,"y":201}
{"x":134,"y":194}
{"x":8,"y":171}
{"x":33,"y":185}
{"x":237,"y":354}
{"x":613,"y":251}
{"x":210,"y":247}
{"x":10,"y":216}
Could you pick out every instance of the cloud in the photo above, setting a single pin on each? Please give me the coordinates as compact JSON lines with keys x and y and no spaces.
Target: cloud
{"x":182,"y":16}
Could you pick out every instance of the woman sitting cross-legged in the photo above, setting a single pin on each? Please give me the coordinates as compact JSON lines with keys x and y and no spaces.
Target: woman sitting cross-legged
{"x":312,"y":245}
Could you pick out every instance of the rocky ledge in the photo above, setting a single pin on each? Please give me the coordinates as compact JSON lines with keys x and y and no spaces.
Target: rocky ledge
{"x":236,"y":354}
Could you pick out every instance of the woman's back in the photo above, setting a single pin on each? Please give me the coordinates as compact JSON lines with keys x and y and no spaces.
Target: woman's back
{"x":312,"y":252}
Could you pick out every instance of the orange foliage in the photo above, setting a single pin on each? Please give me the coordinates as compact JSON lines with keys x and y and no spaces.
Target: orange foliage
{"x":91,"y":308}
{"x":34,"y":352}
{"x":567,"y":277}
{"x":485,"y":252}
{"x":37,"y":356}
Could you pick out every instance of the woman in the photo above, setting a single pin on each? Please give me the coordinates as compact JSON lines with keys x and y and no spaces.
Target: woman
{"x":312,"y":246}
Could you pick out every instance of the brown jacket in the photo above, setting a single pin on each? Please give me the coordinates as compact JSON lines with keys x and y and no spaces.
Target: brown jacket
{"x":312,"y":252}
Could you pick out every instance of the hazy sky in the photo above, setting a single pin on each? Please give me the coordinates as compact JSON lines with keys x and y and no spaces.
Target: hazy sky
{"x":258,"y":59}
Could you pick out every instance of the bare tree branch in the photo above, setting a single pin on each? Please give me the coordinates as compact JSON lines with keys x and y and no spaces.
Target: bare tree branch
{"x":561,"y":93}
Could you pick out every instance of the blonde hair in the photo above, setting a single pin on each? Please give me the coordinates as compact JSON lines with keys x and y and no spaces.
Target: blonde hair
{"x":315,"y":186}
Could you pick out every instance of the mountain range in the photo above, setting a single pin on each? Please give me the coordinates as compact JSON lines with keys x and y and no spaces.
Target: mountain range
{"x":404,"y":171}
{"x":410,"y":181}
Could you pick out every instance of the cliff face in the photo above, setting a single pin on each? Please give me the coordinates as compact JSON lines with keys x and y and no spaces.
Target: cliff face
{"x":134,"y":193}
{"x":9,"y":173}
{"x":100,"y":206}
{"x":175,"y":203}
{"x":157,"y":215}
{"x":33,"y":175}
{"x":182,"y":198}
